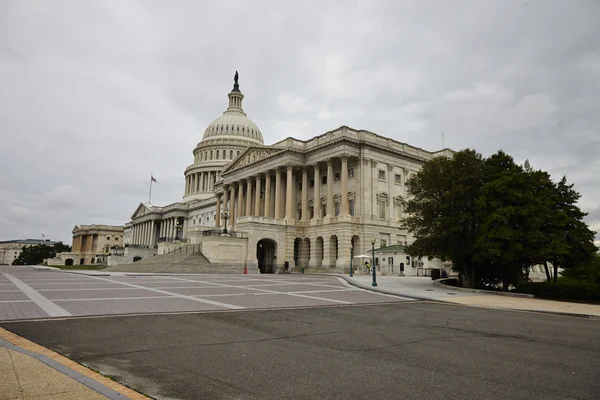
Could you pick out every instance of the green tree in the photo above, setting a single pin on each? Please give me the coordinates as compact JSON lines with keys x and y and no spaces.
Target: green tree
{"x":36,"y":254}
{"x":442,"y":213}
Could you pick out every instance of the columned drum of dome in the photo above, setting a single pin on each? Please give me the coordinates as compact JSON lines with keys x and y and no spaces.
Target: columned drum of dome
{"x":224,"y":139}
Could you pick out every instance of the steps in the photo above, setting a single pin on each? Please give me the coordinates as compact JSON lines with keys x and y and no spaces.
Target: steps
{"x":176,"y":263}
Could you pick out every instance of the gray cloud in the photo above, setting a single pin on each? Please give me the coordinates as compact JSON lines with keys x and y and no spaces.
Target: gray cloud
{"x":94,"y":96}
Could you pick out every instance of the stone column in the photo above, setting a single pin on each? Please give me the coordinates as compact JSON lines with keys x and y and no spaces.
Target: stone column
{"x":218,"y":212}
{"x":232,"y":213}
{"x":240,"y":209}
{"x":184,"y":228}
{"x":187,"y":184}
{"x":289,"y":186}
{"x":267,"y":194}
{"x":257,"y":196}
{"x":304,"y":194}
{"x":374,"y":180}
{"x":344,"y":186}
{"x":390,"y":192}
{"x":152,"y":233}
{"x":277,"y":193}
{"x":317,"y":198}
{"x":330,"y":205}
{"x":249,"y":197}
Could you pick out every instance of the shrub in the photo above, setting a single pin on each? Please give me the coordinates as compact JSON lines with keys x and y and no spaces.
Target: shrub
{"x":565,"y":289}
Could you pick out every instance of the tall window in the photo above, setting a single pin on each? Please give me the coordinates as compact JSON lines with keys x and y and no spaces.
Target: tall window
{"x":381,"y":209}
{"x":350,"y":173}
{"x":337,"y":208}
{"x":351,"y":207}
{"x":398,"y":179}
{"x":231,"y":154}
{"x":323,"y":210}
{"x":224,"y":154}
{"x":311,"y":212}
{"x":381,"y":175}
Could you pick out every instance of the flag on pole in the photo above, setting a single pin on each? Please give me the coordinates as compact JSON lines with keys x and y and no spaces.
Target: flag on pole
{"x":152,"y":179}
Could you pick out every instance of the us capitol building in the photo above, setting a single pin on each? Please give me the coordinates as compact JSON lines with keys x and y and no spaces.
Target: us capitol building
{"x":312,"y":204}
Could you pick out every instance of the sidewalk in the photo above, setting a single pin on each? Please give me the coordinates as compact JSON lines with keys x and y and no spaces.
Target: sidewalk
{"x":30,"y":371}
{"x":424,"y":289}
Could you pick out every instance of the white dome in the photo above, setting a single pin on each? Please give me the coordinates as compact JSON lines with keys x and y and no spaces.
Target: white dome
{"x":234,"y":123}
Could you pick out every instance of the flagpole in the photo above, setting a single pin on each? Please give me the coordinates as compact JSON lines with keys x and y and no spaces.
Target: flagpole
{"x":150,"y":194}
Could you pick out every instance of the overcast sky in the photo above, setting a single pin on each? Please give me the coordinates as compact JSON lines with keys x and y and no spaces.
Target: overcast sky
{"x":96,"y":95}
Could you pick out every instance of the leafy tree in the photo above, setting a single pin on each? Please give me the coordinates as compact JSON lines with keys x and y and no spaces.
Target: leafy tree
{"x":442,"y":211}
{"x":588,"y":272}
{"x":494,"y":219}
{"x":36,"y":254}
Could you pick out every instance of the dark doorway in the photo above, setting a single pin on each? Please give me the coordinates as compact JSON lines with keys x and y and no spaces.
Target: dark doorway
{"x":265,"y":253}
{"x":137,"y":258}
{"x":69,"y":261}
{"x":82,"y":261}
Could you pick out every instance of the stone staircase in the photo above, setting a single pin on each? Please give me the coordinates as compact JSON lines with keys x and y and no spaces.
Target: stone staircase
{"x":192,"y":263}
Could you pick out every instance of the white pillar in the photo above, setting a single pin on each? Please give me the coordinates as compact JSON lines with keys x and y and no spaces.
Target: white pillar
{"x":317,"y":195}
{"x":289,"y":186}
{"x":277,"y":193}
{"x":249,"y":196}
{"x":304,"y":194}
{"x":267,"y":212}
{"x":344,"y":186}
{"x":330,"y":205}
{"x":257,"y":196}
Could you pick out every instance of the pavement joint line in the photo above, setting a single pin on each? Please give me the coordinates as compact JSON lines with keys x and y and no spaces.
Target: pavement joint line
{"x":154,"y":313}
{"x":276,"y":292}
{"x":9,"y":290}
{"x":16,"y":301}
{"x":86,"y":289}
{"x":206,"y":301}
{"x":93,"y":380}
{"x":118,"y":298}
{"x":53,"y":310}
{"x":397,"y":296}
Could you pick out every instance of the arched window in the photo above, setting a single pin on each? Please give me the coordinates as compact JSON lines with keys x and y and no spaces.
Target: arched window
{"x":211,"y":154}
{"x":224,"y":154}
{"x":238,"y":152}
{"x":217,"y":155}
{"x":231,"y":154}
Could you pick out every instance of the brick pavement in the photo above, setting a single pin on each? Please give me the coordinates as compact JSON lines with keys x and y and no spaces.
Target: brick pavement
{"x":27,"y":293}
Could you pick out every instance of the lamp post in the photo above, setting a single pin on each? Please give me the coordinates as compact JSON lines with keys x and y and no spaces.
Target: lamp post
{"x":373,"y":267}
{"x":225,"y":216}
{"x":351,"y":257}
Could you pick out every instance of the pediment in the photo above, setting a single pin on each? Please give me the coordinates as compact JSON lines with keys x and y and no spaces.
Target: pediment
{"x":250,"y":156}
{"x":142,"y":209}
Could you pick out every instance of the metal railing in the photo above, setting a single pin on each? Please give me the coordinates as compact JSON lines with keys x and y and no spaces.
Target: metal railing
{"x":167,"y":239}
{"x":217,"y":232}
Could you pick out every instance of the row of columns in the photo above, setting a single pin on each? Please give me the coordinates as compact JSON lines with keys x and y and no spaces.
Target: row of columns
{"x":200,"y":182}
{"x":144,"y":233}
{"x":254,"y":187}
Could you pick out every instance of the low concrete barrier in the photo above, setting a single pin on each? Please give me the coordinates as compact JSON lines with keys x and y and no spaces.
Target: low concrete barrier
{"x":440,"y":283}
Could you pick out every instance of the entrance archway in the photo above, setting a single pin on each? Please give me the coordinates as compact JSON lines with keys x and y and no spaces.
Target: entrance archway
{"x":265,"y":253}
{"x":82,"y":261}
{"x":137,"y":258}
{"x":69,"y":261}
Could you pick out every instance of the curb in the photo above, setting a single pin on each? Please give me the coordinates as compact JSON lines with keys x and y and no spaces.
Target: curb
{"x":439,"y":283}
{"x":379,"y":290}
{"x":79,"y":372}
{"x":440,"y":301}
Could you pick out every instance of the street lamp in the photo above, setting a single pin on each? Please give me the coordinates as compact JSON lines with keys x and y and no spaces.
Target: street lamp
{"x":176,"y":228}
{"x":373,"y":267}
{"x":351,"y":257}
{"x":225,"y":216}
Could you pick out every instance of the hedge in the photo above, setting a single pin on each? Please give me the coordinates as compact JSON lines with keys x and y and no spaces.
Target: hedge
{"x":562,"y":290}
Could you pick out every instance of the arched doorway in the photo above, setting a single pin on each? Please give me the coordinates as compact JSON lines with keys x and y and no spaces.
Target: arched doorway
{"x":82,"y":261}
{"x":265,"y":253}
{"x":69,"y":261}
{"x":136,"y":258}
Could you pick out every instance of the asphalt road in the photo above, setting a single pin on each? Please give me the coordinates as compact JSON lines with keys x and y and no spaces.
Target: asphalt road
{"x":405,"y":350}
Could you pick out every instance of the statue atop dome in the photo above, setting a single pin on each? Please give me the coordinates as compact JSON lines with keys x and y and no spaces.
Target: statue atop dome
{"x":236,"y":86}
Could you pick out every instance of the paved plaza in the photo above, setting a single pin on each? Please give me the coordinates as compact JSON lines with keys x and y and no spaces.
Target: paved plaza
{"x":27,"y":293}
